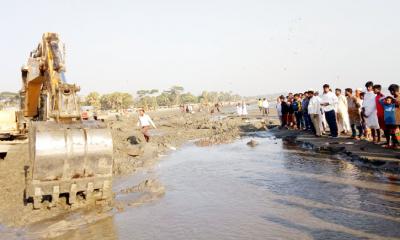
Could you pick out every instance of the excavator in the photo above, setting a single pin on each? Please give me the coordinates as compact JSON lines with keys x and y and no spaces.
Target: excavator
{"x":68,"y":157}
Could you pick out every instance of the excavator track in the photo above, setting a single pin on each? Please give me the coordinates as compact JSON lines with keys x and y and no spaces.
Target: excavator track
{"x":69,"y":159}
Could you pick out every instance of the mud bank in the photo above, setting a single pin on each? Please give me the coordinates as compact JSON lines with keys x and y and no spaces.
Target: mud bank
{"x":131,"y":152}
{"x":362,"y":153}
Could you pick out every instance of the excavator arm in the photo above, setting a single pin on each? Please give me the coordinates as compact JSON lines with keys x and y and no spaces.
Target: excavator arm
{"x":47,"y":95}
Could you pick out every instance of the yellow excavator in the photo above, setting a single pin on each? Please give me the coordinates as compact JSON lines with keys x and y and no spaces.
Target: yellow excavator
{"x":67,"y":156}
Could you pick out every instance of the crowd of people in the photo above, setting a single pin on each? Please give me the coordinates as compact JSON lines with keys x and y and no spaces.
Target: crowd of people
{"x":241,"y":109}
{"x":263,"y":106}
{"x":359,"y":114}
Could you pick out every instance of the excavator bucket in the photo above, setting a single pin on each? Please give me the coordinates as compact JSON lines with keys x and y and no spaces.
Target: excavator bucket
{"x":69,"y":159}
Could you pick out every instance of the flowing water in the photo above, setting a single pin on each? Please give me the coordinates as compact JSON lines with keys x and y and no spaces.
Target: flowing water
{"x":271,"y":191}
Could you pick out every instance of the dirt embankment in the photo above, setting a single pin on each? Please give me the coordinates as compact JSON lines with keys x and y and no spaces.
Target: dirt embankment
{"x":173,"y":129}
{"x":361,"y":152}
{"x":131,"y":153}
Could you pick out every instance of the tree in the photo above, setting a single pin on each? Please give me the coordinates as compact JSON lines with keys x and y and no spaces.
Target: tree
{"x":146,"y":99}
{"x":174,"y":94}
{"x":212,"y":97}
{"x":116,"y":101}
{"x":163,"y":99}
{"x":154,"y":103}
{"x":127,"y":100}
{"x":93,"y":99}
{"x":9,"y":99}
{"x":106,"y":102}
{"x":153,"y":91}
{"x":203,"y":98}
{"x":188,"y":98}
{"x":147,"y":102}
{"x":176,"y":89}
{"x":142,"y":93}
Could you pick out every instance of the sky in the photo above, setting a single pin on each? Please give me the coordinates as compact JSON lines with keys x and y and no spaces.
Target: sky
{"x":250,"y":47}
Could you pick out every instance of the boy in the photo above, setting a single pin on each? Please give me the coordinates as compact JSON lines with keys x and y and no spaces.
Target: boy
{"x":265,"y":107}
{"x":379,"y":109}
{"x":298,"y":113}
{"x":389,"y":108}
{"x":394,"y":90}
{"x":145,"y":122}
{"x":260,"y":105}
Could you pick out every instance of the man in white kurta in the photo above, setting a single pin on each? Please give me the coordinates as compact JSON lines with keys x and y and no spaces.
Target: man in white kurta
{"x":314,"y":109}
{"x":244,"y":109}
{"x":342,"y":112}
{"x":265,"y":106}
{"x":369,"y":110}
{"x":279,"y":109}
{"x":239,"y":109}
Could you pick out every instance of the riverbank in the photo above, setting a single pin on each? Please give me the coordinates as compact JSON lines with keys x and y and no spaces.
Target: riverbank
{"x":361,"y":152}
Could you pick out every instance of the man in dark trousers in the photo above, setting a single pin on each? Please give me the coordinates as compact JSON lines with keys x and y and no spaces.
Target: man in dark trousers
{"x":328,"y":103}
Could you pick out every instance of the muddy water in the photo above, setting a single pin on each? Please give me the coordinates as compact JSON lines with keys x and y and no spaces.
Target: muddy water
{"x":271,"y":191}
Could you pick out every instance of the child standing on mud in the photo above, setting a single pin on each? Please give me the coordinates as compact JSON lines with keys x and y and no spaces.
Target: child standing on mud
{"x":389,"y":108}
{"x":260,"y":105}
{"x":145,"y":122}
